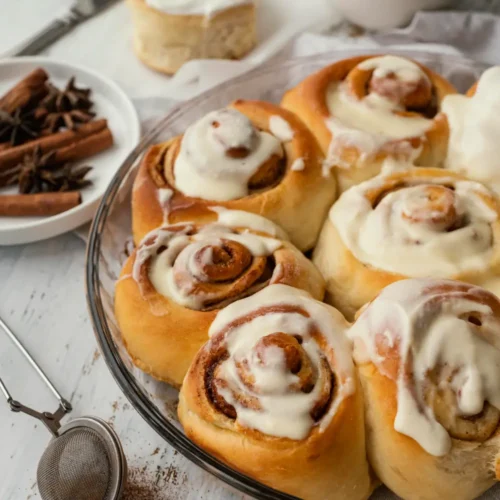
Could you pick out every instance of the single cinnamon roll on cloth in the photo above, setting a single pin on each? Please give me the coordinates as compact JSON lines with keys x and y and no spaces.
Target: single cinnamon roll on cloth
{"x":366,"y":109}
{"x":474,"y":147}
{"x":416,"y":223}
{"x":428,"y":355}
{"x":251,"y":156}
{"x":275,"y":395}
{"x":172,"y":286}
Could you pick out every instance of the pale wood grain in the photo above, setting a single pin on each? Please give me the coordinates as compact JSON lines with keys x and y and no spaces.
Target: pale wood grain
{"x":42,"y":298}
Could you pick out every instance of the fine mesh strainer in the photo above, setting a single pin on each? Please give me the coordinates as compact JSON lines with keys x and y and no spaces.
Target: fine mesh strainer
{"x":84,"y":460}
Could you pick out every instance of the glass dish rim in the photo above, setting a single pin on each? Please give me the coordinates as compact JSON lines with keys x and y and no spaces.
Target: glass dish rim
{"x":119,"y":371}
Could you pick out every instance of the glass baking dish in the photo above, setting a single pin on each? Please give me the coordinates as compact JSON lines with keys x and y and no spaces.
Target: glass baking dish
{"x":110,"y":238}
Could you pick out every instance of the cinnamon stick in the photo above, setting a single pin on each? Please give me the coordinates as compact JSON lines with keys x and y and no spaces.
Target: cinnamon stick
{"x":44,"y":204}
{"x":12,"y":156}
{"x":29,"y":88}
{"x":88,"y":146}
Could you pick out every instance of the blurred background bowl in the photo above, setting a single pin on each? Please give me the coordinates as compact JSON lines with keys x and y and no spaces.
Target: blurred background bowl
{"x":385,"y":14}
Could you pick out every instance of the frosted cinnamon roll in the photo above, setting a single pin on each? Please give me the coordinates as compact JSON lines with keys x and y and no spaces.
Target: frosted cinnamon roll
{"x":369,"y":108}
{"x":417,"y":223}
{"x":181,"y":275}
{"x":251,"y":156}
{"x":274,"y":394}
{"x":428,"y":355}
{"x":474,"y":148}
{"x":168,"y":33}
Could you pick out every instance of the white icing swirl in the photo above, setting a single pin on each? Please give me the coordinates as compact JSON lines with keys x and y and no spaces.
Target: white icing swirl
{"x":474,"y":148}
{"x":195,"y":7}
{"x":220,"y":153}
{"x":298,"y":165}
{"x":283,"y":411}
{"x":240,"y":218}
{"x":173,"y":248}
{"x":280,"y":128}
{"x":416,"y":230}
{"x":427,"y":319}
{"x":373,"y":121}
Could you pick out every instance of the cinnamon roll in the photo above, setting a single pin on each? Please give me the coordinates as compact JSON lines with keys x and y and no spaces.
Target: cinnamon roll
{"x":369,"y":108}
{"x":428,"y":355}
{"x":251,"y":156}
{"x":416,"y":223}
{"x":474,"y":148}
{"x":275,"y":395}
{"x":172,"y":286}
{"x":168,"y":33}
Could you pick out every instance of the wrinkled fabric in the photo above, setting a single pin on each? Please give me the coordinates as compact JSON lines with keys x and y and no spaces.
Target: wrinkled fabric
{"x":475,"y":35}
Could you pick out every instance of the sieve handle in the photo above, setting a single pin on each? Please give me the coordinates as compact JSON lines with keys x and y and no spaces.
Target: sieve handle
{"x":51,"y":420}
{"x":64,"y":405}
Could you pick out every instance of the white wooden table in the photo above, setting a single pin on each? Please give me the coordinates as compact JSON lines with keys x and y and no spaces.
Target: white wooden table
{"x":42,"y":298}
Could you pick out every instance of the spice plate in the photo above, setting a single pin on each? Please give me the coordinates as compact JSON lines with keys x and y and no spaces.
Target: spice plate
{"x":110,"y":102}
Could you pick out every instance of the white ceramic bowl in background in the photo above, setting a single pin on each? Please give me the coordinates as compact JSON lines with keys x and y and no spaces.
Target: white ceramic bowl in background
{"x":385,"y":14}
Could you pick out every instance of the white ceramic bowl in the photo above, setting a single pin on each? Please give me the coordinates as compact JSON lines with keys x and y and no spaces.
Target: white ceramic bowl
{"x":385,"y":14}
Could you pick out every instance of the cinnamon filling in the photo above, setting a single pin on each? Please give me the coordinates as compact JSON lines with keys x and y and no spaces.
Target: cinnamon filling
{"x":278,"y":351}
{"x":269,"y":175}
{"x":412,"y":96}
{"x":436,"y":206}
{"x":222,"y":263}
{"x":440,"y":396}
{"x":210,"y":386}
{"x":221,"y":274}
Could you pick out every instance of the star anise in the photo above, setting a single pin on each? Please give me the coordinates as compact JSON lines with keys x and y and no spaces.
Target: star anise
{"x":65,"y":108}
{"x":34,"y":169}
{"x":71,"y":97}
{"x":54,"y":120}
{"x":18,"y":127}
{"x":41,"y":173}
{"x":70,"y":178}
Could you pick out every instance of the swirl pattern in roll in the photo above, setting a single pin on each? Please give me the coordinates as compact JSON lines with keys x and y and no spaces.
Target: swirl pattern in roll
{"x":275,"y":386}
{"x":369,"y":108}
{"x":428,"y":353}
{"x":180,"y":276}
{"x":251,"y":156}
{"x":417,"y":223}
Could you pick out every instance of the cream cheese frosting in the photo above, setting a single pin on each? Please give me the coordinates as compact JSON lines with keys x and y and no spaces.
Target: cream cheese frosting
{"x":284,"y":411}
{"x":194,"y":7}
{"x":206,"y":167}
{"x":474,"y":146}
{"x":401,"y":235}
{"x":431,"y":329}
{"x":373,"y":121}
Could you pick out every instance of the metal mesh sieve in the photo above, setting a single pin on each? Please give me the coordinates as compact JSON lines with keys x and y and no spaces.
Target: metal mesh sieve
{"x":75,"y":465}
{"x":84,"y":460}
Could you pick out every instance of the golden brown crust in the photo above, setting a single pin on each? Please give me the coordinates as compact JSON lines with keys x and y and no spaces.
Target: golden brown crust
{"x":472,"y":91}
{"x":325,"y":465}
{"x":351,"y":283}
{"x":404,"y":466}
{"x":329,"y":463}
{"x":162,"y":337}
{"x":298,"y":203}
{"x":469,"y":468}
{"x":308,"y":101}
